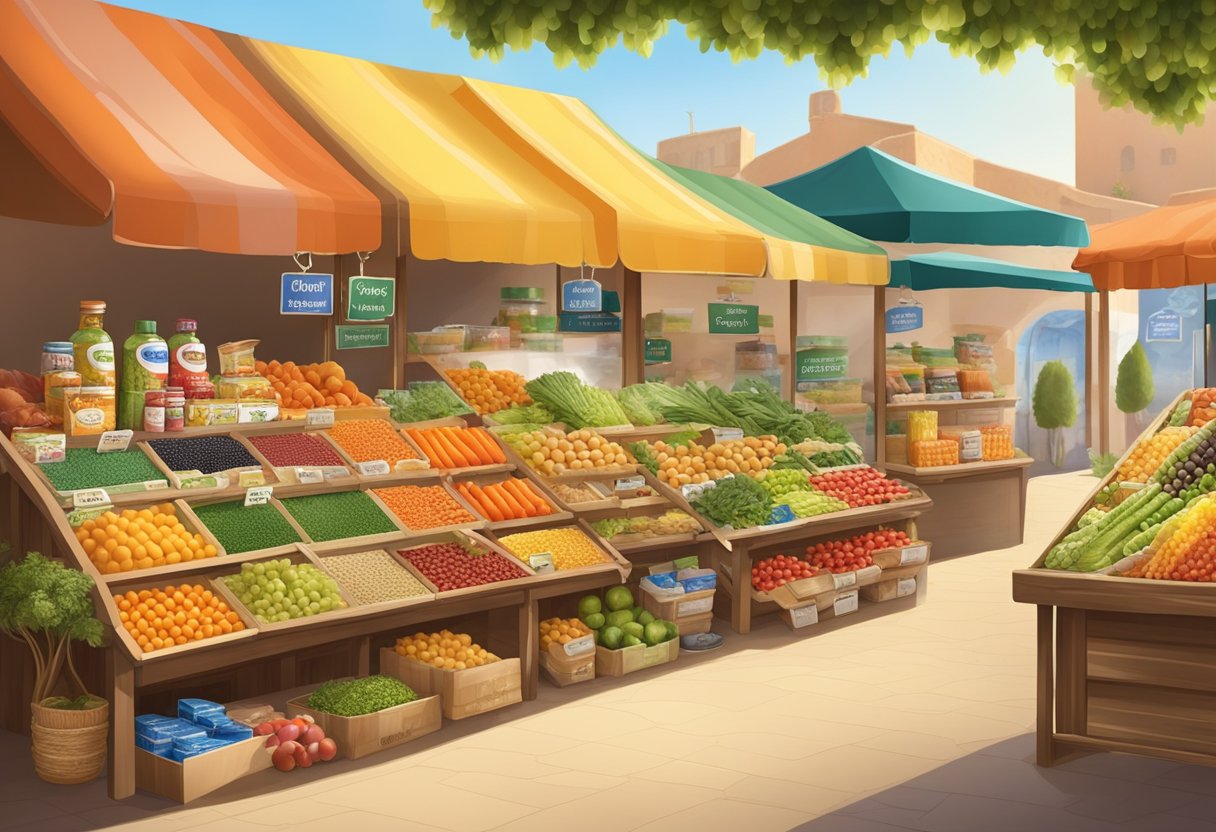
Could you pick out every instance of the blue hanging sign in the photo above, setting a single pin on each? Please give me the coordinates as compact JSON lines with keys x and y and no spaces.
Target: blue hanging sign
{"x":1163,"y":325}
{"x":905,"y":318}
{"x":307,"y":293}
{"x":582,"y":296}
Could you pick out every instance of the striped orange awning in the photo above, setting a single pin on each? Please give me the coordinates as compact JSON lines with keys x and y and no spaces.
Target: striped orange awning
{"x":155,"y":122}
{"x":1170,"y":246}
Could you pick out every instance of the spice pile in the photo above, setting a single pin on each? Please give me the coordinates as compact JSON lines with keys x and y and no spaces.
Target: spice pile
{"x":325,"y":517}
{"x":373,"y":577}
{"x":240,"y":528}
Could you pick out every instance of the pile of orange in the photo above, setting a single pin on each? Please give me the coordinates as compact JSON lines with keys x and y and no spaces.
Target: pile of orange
{"x":311,"y":385}
{"x":159,"y":618}
{"x":488,"y":391}
{"x":140,"y":539}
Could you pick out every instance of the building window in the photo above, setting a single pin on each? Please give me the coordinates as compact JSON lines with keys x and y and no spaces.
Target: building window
{"x":1127,"y":159}
{"x":1169,"y":155}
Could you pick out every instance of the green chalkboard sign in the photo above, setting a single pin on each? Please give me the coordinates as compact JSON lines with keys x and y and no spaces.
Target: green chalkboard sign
{"x":658,"y":350}
{"x":734,"y":319}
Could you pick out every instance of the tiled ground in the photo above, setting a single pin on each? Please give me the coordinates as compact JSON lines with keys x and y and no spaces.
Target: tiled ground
{"x":915,"y":720}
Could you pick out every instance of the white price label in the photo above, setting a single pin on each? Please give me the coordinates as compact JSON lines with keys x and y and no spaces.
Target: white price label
{"x":629,"y":484}
{"x":309,"y":476}
{"x":374,"y":468}
{"x":541,"y":563}
{"x":846,"y":603}
{"x":579,"y":646}
{"x":90,"y":498}
{"x":697,"y":607}
{"x":258,"y":495}
{"x":913,"y":555}
{"x":249,"y":479}
{"x":804,"y":616}
{"x":905,"y":587}
{"x":727,"y":434}
{"x":320,"y":417}
{"x":844,"y":580}
{"x":113,"y":441}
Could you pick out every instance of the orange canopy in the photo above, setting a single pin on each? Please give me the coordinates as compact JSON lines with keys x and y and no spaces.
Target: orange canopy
{"x":1173,"y":245}
{"x":155,"y":121}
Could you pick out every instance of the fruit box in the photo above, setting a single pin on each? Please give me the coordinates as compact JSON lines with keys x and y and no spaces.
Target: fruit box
{"x":889,"y":590}
{"x":692,"y":612}
{"x":903,"y":562}
{"x":196,"y":776}
{"x":821,"y":589}
{"x":563,"y":670}
{"x":358,"y":736}
{"x":824,"y":607}
{"x":462,"y":693}
{"x":631,"y":659}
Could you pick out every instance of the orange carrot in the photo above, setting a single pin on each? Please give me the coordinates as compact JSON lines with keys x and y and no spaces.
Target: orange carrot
{"x":493,"y":494}
{"x":438,"y":458}
{"x":518,"y":510}
{"x":472,"y":450}
{"x":521,"y":494}
{"x":493,"y":450}
{"x":532,"y":491}
{"x":492,"y":511}
{"x":457,"y":457}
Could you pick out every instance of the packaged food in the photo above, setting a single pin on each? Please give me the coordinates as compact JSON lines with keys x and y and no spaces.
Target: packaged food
{"x":205,"y":412}
{"x":922,"y":426}
{"x":898,"y":389}
{"x":175,"y":409}
{"x":57,"y":356}
{"x":971,"y":349}
{"x":519,"y":308}
{"x":969,"y":439}
{"x":914,"y":377}
{"x":755,"y":355}
{"x":435,"y":343}
{"x":246,"y":387}
{"x":145,"y":366}
{"x":154,"y":411}
{"x":838,"y":391}
{"x":821,"y":357}
{"x":257,"y":411}
{"x":188,"y":361}
{"x":941,"y":384}
{"x":236,"y":358}
{"x":92,"y":347}
{"x":996,"y":442}
{"x":899,"y":355}
{"x":975,"y":384}
{"x":54,"y":386}
{"x":897,"y":448}
{"x":480,"y":338}
{"x":933,"y":452}
{"x":933,"y":357}
{"x":89,"y":410}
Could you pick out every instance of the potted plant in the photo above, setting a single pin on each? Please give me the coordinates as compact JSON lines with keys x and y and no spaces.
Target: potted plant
{"x":1134,"y":383}
{"x":1055,"y":407}
{"x":48,"y":606}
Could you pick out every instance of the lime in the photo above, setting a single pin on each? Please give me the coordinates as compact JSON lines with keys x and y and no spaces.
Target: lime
{"x":611,"y":637}
{"x":630,"y":641}
{"x":618,"y":598}
{"x":655,"y":633}
{"x":588,"y":605}
{"x":634,"y":629}
{"x":618,"y":618}
{"x":594,"y":621}
{"x":645,"y":618}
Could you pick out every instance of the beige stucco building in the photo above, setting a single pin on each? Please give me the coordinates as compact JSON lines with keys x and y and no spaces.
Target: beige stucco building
{"x":833,"y":133}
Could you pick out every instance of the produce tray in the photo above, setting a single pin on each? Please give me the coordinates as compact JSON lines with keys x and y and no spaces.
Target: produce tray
{"x":638,"y":542}
{"x":230,"y":477}
{"x":392,"y":549}
{"x":465,"y":539}
{"x":368,"y":540}
{"x":558,"y":513}
{"x":819,"y":590}
{"x":209,"y":536}
{"x":445,"y":422}
{"x":514,"y":457}
{"x":287,"y":474}
{"x":404,"y":468}
{"x":359,"y":736}
{"x":125,"y":493}
{"x":300,"y":555}
{"x":902,"y":561}
{"x":462,"y":693}
{"x":508,"y":465}
{"x":610,"y":502}
{"x":476,"y":523}
{"x":614,"y":559}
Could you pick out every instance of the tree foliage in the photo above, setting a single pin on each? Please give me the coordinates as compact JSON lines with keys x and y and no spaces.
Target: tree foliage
{"x":1134,"y":381}
{"x":1055,"y":398}
{"x":1157,"y":55}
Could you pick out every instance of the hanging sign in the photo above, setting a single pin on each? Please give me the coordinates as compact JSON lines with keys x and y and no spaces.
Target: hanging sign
{"x":658,"y":350}
{"x":905,"y":318}
{"x":734,"y":318}
{"x":370,"y":298}
{"x":1163,"y":325}
{"x":360,"y":337}
{"x":306,"y":293}
{"x":582,"y":296}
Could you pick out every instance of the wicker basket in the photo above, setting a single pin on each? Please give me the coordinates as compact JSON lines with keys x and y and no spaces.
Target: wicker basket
{"x":69,"y":746}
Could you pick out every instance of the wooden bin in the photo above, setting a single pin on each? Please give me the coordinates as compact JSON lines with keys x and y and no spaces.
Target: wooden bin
{"x":299,"y":555}
{"x":359,"y":736}
{"x":558,"y":512}
{"x":202,"y":774}
{"x":289,"y":474}
{"x":231,"y":476}
{"x":824,"y":607}
{"x":475,"y":523}
{"x":692,"y":612}
{"x":370,"y":540}
{"x":890,"y":589}
{"x":469,"y":540}
{"x":462,"y":693}
{"x":564,"y":670}
{"x":628,"y":660}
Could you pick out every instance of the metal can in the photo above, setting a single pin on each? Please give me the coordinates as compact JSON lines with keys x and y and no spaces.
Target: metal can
{"x":175,"y":409}
{"x":57,"y":356}
{"x":53,"y":386}
{"x":154,"y":411}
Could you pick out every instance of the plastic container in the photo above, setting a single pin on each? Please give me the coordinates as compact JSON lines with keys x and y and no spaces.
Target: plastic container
{"x":188,"y":360}
{"x":933,"y":357}
{"x":89,"y":410}
{"x":154,"y":411}
{"x":922,"y":426}
{"x":996,"y":442}
{"x":821,"y":357}
{"x":970,"y":444}
{"x":542,"y":342}
{"x":480,"y":338}
{"x":54,"y":386}
{"x":548,"y":323}
{"x":519,"y":307}
{"x":840,"y":391}
{"x":933,"y":453}
{"x":975,"y":384}
{"x":236,"y":358}
{"x":677,"y":319}
{"x":92,"y":347}
{"x":175,"y":409}
{"x":246,"y":387}
{"x":941,"y":384}
{"x":57,"y":356}
{"x":755,"y":355}
{"x":145,"y":366}
{"x":436,"y":342}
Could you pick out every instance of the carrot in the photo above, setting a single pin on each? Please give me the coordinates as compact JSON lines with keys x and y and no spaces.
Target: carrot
{"x":518,"y":510}
{"x":453,"y":453}
{"x":512,"y":486}
{"x":491,"y":509}
{"x":439,"y":459}
{"x":493,"y":451}
{"x":542,"y":503}
{"x":471,"y":450}
{"x":499,"y":501}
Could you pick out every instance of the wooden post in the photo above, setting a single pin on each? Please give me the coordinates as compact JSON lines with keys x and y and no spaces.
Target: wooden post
{"x":120,"y":756}
{"x":1089,"y":370}
{"x":880,"y":375}
{"x":1045,"y":725}
{"x":401,"y":329}
{"x":793,"y":380}
{"x":1104,"y":372}
{"x":529,"y":647}
{"x":1072,"y":670}
{"x":633,"y":346}
{"x":363,"y":656}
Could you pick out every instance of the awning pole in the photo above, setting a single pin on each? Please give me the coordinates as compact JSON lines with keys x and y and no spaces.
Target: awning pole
{"x":1089,"y":370}
{"x":793,"y":376}
{"x":880,"y":376}
{"x":1103,"y":372}
{"x":633,"y":349}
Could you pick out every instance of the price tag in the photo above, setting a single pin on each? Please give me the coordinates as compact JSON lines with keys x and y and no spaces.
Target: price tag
{"x":113,"y":441}
{"x":309,"y":476}
{"x":905,"y":587}
{"x":90,"y":498}
{"x":846,"y":603}
{"x":629,"y":484}
{"x":693,"y":491}
{"x":912,"y":555}
{"x":248,"y":479}
{"x":804,"y":616}
{"x":579,"y":646}
{"x":844,"y":580}
{"x":258,"y":495}
{"x":320,"y":417}
{"x":727,"y":434}
{"x":541,"y":563}
{"x":781,"y":514}
{"x":374,"y":468}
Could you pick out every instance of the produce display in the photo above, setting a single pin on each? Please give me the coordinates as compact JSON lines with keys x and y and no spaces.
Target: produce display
{"x":373,"y":577}
{"x":356,"y":697}
{"x":524,"y":414}
{"x":451,"y":566}
{"x":575,"y":404}
{"x":511,"y":499}
{"x":205,"y":454}
{"x":855,"y":552}
{"x":175,"y":615}
{"x":669,"y":522}
{"x":812,"y":503}
{"x":1188,"y":470}
{"x":858,"y":487}
{"x":553,"y":452}
{"x":575,"y":493}
{"x":311,"y":385}
{"x":424,"y":506}
{"x":423,"y":401}
{"x":285,"y":450}
{"x":617,"y":622}
{"x":1203,"y":407}
{"x":561,"y":631}
{"x":457,"y":447}
{"x":779,"y":483}
{"x":445,"y":650}
{"x":140,"y":539}
{"x":85,"y":468}
{"x":240,"y":528}
{"x":297,"y":743}
{"x":1181,"y":414}
{"x":1146,"y":456}
{"x":779,"y":570}
{"x":340,"y":515}
{"x":370,"y":440}
{"x":279,"y":590}
{"x":692,"y":463}
{"x":489,"y":391}
{"x":738,"y":502}
{"x":1185,"y":548}
{"x":571,"y":549}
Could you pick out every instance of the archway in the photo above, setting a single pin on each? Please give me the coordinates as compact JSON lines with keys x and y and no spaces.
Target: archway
{"x":1056,"y":335}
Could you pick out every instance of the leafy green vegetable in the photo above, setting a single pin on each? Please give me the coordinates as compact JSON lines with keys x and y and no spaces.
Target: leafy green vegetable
{"x":574,"y":403}
{"x":1101,"y":464}
{"x":795,"y":460}
{"x":422,"y":401}
{"x":519,"y":414}
{"x":610,"y":527}
{"x":683,"y":437}
{"x":643,"y":453}
{"x":1180,"y":415}
{"x":739,"y":502}
{"x":637,"y":408}
{"x":355,"y":697}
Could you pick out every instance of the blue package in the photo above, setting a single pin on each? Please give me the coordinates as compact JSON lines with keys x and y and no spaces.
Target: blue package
{"x":146,"y":724}
{"x":663,"y":580}
{"x":191,"y":709}
{"x":231,"y":732}
{"x":161,"y":748}
{"x":170,"y":728}
{"x":184,"y":749}
{"x":210,"y":720}
{"x":700,"y":582}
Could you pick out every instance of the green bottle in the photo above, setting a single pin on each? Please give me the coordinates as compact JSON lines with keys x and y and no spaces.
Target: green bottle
{"x":145,"y":366}
{"x":92,"y":347}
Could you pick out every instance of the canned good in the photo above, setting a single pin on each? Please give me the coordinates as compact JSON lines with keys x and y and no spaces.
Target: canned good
{"x":154,"y":411}
{"x":175,"y":409}
{"x":57,"y":356}
{"x":53,"y":386}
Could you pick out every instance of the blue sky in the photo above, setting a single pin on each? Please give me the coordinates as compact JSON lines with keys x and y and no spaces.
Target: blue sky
{"x":1023,"y":120}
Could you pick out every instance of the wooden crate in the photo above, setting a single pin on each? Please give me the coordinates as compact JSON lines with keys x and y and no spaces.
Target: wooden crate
{"x":421,"y":466}
{"x":557,"y":511}
{"x":391,"y":548}
{"x":359,"y":736}
{"x":462,"y":693}
{"x":823,"y":608}
{"x":202,"y":774}
{"x":508,"y":464}
{"x":469,"y":540}
{"x":370,"y":540}
{"x":692,"y":612}
{"x":477,"y":522}
{"x":628,"y":660}
{"x":231,"y":477}
{"x":890,"y":589}
{"x":277,"y":551}
{"x":288,"y":474}
{"x":612,"y":558}
{"x":563,"y":670}
{"x":300,"y":554}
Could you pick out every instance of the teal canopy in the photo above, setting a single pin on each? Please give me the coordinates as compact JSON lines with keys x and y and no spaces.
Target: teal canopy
{"x":948,"y":270}
{"x":883,"y":198}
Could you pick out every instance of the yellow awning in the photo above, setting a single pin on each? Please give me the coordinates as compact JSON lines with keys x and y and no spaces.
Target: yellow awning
{"x":661,"y":226}
{"x":471,"y":196}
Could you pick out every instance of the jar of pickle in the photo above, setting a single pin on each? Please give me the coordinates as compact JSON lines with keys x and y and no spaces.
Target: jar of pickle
{"x":519,"y":309}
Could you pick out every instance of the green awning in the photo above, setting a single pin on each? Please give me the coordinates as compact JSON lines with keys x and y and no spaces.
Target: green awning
{"x":883,"y":198}
{"x":948,"y":270}
{"x":834,"y":254}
